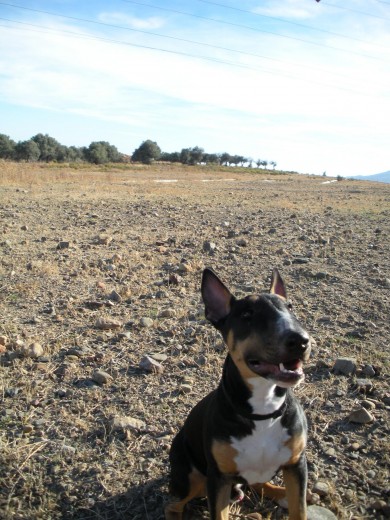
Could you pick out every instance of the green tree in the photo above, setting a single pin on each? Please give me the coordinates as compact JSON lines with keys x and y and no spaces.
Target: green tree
{"x":7,"y":147}
{"x":27,"y":151}
{"x":147,"y":152}
{"x":49,"y":147}
{"x":101,"y":152}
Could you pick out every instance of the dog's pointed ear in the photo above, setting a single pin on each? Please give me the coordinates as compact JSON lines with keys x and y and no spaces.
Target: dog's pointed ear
{"x":277,"y":285}
{"x":216,"y":297}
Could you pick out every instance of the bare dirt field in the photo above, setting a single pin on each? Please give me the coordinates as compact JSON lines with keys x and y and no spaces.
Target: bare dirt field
{"x":101,"y":266}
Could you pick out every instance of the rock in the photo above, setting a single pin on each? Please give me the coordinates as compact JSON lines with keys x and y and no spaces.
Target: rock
{"x":103,"y":240}
{"x":101,"y":378}
{"x":319,"y":513}
{"x":378,"y":504}
{"x":368,"y":405}
{"x":108,"y":324}
{"x":115,"y":297}
{"x":34,"y":350}
{"x":167,"y":313}
{"x":174,"y":279}
{"x":159,"y":357}
{"x":364,"y":386}
{"x":345,"y":366}
{"x":301,"y":260}
{"x":185,"y":268}
{"x":185,"y":389}
{"x":242,"y":242}
{"x":28,"y":428}
{"x":321,"y":488}
{"x":146,"y":322}
{"x":3,"y":340}
{"x":149,"y":364}
{"x":123,"y":423}
{"x":63,"y":244}
{"x":369,"y":371}
{"x":209,"y":247}
{"x":360,"y":416}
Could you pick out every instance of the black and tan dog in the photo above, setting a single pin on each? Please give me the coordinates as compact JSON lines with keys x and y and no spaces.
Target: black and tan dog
{"x":251,"y":425}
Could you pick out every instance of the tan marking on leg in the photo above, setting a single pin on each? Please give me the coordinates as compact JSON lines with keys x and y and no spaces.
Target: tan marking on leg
{"x":222,"y":504}
{"x":224,"y":455}
{"x":296,"y":445}
{"x":270,"y":490}
{"x":296,"y":503}
{"x":174,"y":510}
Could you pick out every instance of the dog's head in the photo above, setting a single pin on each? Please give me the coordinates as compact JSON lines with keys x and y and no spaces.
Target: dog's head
{"x":263,"y":336}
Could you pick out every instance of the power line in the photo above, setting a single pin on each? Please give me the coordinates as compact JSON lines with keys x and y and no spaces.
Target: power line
{"x":191,"y":15}
{"x":212,"y":46}
{"x":179,"y":53}
{"x":224,"y":22}
{"x":194,"y":42}
{"x":357,"y":11}
{"x":297,"y":24}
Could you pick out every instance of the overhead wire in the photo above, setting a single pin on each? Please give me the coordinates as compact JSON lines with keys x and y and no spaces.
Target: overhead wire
{"x":350,"y":9}
{"x":255,"y":29}
{"x":290,"y":22}
{"x":175,"y":38}
{"x":179,"y":53}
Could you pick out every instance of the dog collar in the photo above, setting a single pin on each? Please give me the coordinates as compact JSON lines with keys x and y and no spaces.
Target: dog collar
{"x":253,"y":416}
{"x":273,"y":415}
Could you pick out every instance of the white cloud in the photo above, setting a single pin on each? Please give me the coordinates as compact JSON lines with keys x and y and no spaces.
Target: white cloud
{"x":118,"y":18}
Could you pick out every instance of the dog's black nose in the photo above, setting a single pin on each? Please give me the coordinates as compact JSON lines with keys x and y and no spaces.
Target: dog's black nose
{"x":296,"y":341}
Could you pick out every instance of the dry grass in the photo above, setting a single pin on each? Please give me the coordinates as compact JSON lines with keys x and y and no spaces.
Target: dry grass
{"x":59,"y":457}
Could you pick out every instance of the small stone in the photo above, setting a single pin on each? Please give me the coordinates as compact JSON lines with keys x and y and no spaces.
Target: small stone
{"x":209,"y":247}
{"x":319,"y":513}
{"x":185,"y":268}
{"x":355,"y":446}
{"x":150,"y":365}
{"x":185,"y":389}
{"x":63,"y":245}
{"x":369,"y":371}
{"x":103,"y":240}
{"x":101,"y":378}
{"x":146,"y":322}
{"x":28,"y":428}
{"x":24,"y":228}
{"x":115,"y":297}
{"x":344,"y":366}
{"x":34,"y":350}
{"x":108,"y":324}
{"x":321,"y":488}
{"x":364,"y":386}
{"x":301,"y":260}
{"x":330,"y":452}
{"x":167,"y":313}
{"x":371,"y":473}
{"x":360,"y":416}
{"x":159,"y":357}
{"x":123,"y":423}
{"x":175,"y":279}
{"x":3,"y":340}
{"x":242,"y":242}
{"x":378,"y":504}
{"x":368,"y":405}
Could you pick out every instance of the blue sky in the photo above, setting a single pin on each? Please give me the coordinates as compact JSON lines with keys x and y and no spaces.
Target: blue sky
{"x":299,"y":82}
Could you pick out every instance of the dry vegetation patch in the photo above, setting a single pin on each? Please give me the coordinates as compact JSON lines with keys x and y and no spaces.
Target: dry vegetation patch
{"x":101,"y":243}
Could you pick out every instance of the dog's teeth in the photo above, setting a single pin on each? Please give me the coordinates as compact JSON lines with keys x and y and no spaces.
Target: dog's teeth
{"x":281,"y":367}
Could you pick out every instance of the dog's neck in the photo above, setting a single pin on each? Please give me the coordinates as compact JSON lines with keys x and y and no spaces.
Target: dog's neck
{"x":259,"y":397}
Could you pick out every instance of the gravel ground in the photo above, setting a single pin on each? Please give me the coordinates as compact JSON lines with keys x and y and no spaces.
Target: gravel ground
{"x":104,"y":347}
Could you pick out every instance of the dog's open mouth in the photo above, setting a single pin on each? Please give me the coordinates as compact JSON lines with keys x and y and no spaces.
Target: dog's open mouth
{"x":287,"y":372}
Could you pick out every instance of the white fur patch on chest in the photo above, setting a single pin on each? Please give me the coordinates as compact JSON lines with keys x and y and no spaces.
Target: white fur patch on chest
{"x":261,"y":454}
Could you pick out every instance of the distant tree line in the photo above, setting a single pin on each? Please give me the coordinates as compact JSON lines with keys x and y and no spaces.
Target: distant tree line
{"x":44,"y":148}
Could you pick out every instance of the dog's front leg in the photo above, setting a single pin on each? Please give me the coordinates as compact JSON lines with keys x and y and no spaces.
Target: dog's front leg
{"x":295,"y":480}
{"x":218,"y":496}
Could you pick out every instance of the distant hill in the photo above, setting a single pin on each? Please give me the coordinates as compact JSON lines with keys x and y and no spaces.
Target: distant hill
{"x":378,"y":177}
